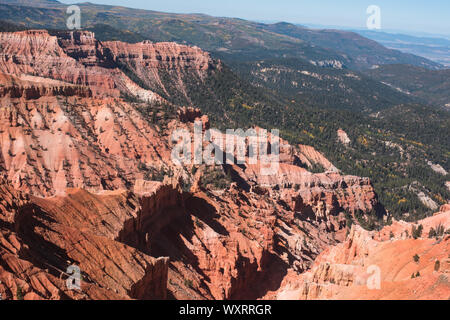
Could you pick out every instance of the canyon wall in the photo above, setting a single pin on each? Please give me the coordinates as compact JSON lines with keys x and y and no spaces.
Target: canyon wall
{"x":85,"y":153}
{"x":389,"y":264}
{"x":40,"y":238}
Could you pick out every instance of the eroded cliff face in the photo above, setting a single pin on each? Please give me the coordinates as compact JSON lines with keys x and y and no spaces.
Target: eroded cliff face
{"x":88,"y":159}
{"x":407,"y":268}
{"x":76,"y":57}
{"x":37,"y":53}
{"x":222,"y":244}
{"x":28,"y":87}
{"x":164,"y":67}
{"x":63,"y":123}
{"x":219,"y":245}
{"x":55,"y":142}
{"x":40,"y":238}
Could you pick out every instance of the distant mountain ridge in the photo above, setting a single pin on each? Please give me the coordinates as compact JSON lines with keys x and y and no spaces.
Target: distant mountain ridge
{"x":33,"y":3}
{"x":363,"y":50}
{"x":434,"y":48}
{"x":233,"y":38}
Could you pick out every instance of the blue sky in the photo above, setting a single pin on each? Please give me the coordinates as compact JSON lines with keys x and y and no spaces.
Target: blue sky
{"x":431,"y":16}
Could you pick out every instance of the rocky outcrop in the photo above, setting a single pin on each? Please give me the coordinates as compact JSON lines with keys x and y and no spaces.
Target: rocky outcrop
{"x":108,"y":69}
{"x":311,"y":157}
{"x":221,"y":245}
{"x":327,"y":191}
{"x":83,"y":47}
{"x":316,"y":196}
{"x":437,"y":168}
{"x":32,"y":88}
{"x":427,"y":201}
{"x":164,"y":67}
{"x":363,"y":266}
{"x":53,"y":136}
{"x":40,"y":238}
{"x":106,"y":196}
{"x":36,"y":52}
{"x":190,"y":114}
{"x":162,"y":55}
{"x":343,"y":137}
{"x":404,"y":230}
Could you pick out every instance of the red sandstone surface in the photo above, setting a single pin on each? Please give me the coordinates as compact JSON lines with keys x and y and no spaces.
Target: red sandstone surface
{"x":408,"y":268}
{"x":75,"y":159}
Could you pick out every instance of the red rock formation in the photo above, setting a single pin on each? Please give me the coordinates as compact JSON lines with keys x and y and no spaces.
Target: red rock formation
{"x":190,"y":114}
{"x":54,"y":135}
{"x":40,"y":238}
{"x":32,"y":88}
{"x":77,"y":57}
{"x":160,"y":65}
{"x":322,"y":197}
{"x":162,"y":55}
{"x":37,"y":53}
{"x":343,"y":137}
{"x":66,"y":134}
{"x":408,"y":268}
{"x":221,"y":244}
{"x":404,"y":230}
{"x":311,"y":157}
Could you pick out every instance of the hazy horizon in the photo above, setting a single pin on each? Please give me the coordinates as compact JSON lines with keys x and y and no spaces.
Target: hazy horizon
{"x":432,"y":17}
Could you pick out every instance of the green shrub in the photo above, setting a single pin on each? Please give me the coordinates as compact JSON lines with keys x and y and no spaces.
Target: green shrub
{"x":437,"y":265}
{"x":188,"y":283}
{"x":432,"y":233}
{"x":198,"y":223}
{"x":417,"y":232}
{"x":19,"y":293}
